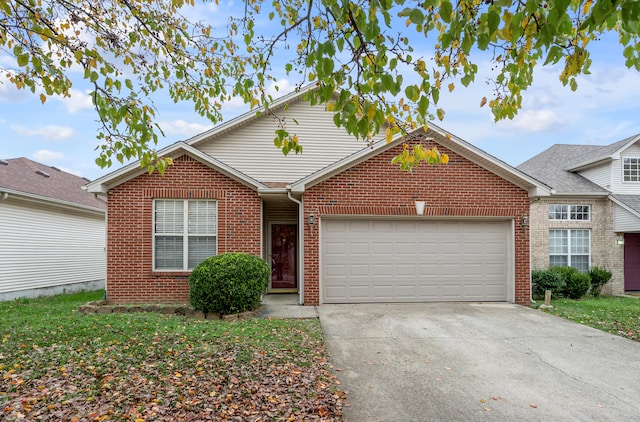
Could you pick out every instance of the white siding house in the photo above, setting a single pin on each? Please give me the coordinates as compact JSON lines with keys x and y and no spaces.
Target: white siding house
{"x":52,"y":233}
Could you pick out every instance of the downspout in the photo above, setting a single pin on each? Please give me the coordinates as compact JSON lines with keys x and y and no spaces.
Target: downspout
{"x":106,"y":241}
{"x":301,"y":247}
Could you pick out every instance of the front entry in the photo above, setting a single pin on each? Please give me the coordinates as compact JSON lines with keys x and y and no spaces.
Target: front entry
{"x":632,"y":261}
{"x":284,"y":256}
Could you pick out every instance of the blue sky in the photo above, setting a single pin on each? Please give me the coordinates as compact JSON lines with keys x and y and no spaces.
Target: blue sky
{"x":604,"y":109}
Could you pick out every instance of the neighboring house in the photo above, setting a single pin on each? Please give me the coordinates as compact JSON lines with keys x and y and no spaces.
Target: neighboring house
{"x":592,"y":217}
{"x":52,"y":232}
{"x":338,"y":223}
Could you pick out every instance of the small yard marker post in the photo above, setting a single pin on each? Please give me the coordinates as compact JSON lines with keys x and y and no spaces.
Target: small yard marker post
{"x":547,"y":300}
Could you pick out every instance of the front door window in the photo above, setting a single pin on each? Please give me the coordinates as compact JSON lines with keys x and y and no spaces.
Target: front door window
{"x":283,"y":256}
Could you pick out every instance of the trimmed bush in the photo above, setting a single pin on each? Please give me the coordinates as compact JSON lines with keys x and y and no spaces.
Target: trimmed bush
{"x":577,"y":285}
{"x":547,"y":280}
{"x":599,"y":277}
{"x":228,"y":283}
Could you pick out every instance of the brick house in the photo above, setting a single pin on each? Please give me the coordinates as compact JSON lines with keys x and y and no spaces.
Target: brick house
{"x":337,"y":223}
{"x":592,"y":217}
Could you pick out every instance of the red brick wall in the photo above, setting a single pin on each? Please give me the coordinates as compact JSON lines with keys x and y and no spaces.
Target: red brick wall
{"x":130,"y":275}
{"x":375,"y":187}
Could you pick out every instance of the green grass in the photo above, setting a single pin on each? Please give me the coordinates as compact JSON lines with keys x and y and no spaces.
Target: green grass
{"x":616,"y":315}
{"x":58,"y":364}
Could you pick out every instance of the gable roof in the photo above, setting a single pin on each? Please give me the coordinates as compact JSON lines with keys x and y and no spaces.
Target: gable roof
{"x":550,"y":167}
{"x":24,"y":177}
{"x":441,"y":137}
{"x":601,"y":154}
{"x":104,"y":183}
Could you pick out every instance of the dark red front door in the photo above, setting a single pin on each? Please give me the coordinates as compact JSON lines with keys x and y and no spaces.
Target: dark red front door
{"x":632,"y":261}
{"x":283,"y":256}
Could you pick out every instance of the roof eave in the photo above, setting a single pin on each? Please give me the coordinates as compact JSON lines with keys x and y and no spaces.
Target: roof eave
{"x":51,"y":201}
{"x":130,"y":171}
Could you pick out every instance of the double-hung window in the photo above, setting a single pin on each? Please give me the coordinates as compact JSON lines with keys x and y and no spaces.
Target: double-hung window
{"x":569,"y":212}
{"x":570,"y":248}
{"x":185,"y":233}
{"x":631,"y":169}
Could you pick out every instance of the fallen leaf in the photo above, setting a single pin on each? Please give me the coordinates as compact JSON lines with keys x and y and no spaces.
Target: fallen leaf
{"x":535,"y":406}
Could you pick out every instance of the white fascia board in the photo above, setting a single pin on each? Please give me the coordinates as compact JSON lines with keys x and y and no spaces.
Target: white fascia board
{"x":624,"y":206}
{"x":586,"y":195}
{"x":29,"y":197}
{"x":476,"y":155}
{"x":130,"y":171}
{"x":482,"y":158}
{"x":590,"y":164}
{"x":339,"y":166}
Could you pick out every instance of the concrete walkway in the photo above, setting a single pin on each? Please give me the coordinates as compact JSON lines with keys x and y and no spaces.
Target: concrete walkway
{"x":278,"y":305}
{"x":467,"y":362}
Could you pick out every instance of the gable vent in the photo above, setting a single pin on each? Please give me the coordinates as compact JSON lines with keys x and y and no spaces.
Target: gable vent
{"x":42,"y":173}
{"x":3,"y":163}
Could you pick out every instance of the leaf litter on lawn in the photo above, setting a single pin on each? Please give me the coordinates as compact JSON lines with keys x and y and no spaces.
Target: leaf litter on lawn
{"x":59,"y":365}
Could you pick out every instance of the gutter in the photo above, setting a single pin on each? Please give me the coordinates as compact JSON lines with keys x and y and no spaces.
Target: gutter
{"x":301,"y":243}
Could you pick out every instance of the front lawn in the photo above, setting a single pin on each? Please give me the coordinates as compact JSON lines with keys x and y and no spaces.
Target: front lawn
{"x":617,"y":315}
{"x":56,"y":364}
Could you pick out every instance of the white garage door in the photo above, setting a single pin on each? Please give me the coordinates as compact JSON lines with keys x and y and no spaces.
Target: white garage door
{"x":415,"y":260}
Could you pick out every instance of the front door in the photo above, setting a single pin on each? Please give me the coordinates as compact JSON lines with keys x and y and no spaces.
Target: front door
{"x":283,"y":256}
{"x":632,"y":261}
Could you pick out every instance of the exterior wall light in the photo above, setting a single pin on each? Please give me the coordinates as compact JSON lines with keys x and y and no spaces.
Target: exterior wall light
{"x":420,"y":207}
{"x":620,"y":238}
{"x":312,"y":219}
{"x":524,"y":222}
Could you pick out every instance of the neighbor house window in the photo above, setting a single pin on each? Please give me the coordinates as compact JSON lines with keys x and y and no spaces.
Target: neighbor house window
{"x":185,"y":233}
{"x":569,"y":212}
{"x":570,"y":248}
{"x":631,"y":169}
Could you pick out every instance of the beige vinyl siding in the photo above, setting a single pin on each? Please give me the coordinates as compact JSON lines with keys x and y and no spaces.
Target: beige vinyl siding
{"x":624,"y":221}
{"x":251,"y":150}
{"x":619,"y":186}
{"x":600,"y":175}
{"x":43,"y":247}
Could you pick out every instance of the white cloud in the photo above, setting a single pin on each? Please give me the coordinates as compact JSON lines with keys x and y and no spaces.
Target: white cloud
{"x":44,"y":155}
{"x":535,"y":121}
{"x":53,"y":132}
{"x":183,"y":128}
{"x":77,"y":101}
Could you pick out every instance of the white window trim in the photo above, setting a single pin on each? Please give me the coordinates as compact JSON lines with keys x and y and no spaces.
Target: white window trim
{"x":622,"y":170}
{"x":568,"y":254}
{"x":569,"y":212}
{"x":185,"y":233}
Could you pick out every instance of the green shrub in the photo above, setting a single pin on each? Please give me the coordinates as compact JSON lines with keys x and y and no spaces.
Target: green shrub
{"x":564,"y":272}
{"x":547,"y":280}
{"x":577,"y":285}
{"x":599,"y":277}
{"x":228,"y":283}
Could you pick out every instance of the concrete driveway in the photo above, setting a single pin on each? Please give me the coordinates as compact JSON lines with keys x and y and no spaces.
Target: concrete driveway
{"x":466,"y":362}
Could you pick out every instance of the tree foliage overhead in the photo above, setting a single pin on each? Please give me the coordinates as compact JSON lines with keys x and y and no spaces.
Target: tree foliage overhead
{"x":380,"y":65}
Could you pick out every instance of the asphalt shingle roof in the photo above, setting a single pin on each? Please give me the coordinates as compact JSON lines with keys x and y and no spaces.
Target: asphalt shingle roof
{"x":27,"y":176}
{"x":550,"y":167}
{"x":632,"y":201}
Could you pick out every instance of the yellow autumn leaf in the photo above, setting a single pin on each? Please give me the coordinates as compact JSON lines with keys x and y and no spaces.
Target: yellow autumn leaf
{"x":483,"y":101}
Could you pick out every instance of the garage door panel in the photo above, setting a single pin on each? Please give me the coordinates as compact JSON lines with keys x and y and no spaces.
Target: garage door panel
{"x":414,"y":261}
